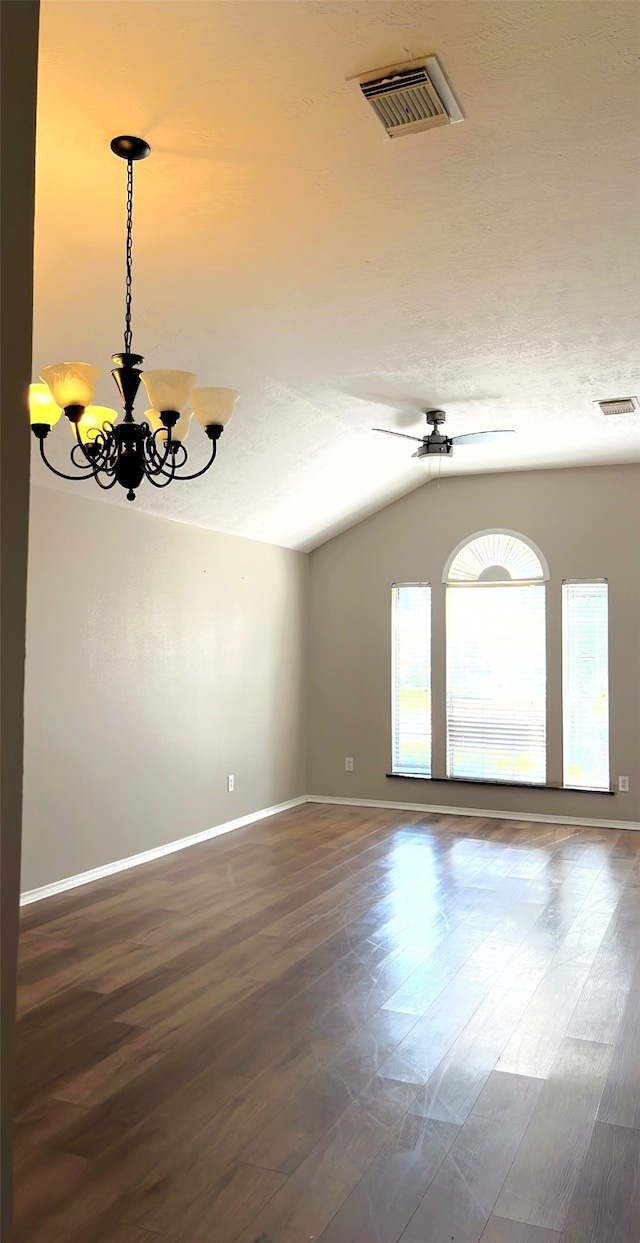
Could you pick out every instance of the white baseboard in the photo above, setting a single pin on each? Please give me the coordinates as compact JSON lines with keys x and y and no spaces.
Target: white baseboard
{"x":485,"y":812}
{"x":121,"y":865}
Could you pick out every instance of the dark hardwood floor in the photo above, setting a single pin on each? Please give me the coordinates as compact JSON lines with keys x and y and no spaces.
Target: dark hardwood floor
{"x":341,"y":1025}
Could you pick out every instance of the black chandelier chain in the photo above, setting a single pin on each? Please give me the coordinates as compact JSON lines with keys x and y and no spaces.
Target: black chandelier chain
{"x":128,"y":335}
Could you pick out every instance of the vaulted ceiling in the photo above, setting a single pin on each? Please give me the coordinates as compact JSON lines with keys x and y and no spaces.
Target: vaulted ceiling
{"x":341,"y":281}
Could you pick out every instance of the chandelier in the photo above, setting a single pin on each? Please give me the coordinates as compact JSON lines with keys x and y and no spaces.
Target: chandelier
{"x":112,"y":450}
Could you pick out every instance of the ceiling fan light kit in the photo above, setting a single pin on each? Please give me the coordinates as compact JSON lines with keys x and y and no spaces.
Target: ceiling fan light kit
{"x":127,"y":452}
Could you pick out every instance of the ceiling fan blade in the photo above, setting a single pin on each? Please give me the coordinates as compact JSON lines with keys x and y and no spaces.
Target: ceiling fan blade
{"x":475,"y":438}
{"x":419,"y":439}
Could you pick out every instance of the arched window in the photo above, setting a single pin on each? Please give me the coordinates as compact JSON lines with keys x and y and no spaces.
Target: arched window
{"x":496,"y":659}
{"x":496,"y":556}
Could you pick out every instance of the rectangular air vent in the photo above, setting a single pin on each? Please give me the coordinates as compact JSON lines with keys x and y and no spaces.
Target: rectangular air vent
{"x":619,"y":405}
{"x":410,"y":97}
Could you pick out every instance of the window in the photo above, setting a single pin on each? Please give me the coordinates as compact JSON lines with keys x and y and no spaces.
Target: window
{"x":495,"y":665}
{"x":585,"y":684}
{"x":496,"y":660}
{"x":411,"y":679}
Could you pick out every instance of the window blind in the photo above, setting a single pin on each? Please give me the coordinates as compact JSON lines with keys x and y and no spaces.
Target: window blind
{"x":411,"y":679}
{"x":496,"y":682}
{"x":585,"y":684}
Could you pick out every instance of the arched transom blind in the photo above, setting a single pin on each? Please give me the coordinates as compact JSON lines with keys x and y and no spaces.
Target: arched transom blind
{"x":495,"y":557}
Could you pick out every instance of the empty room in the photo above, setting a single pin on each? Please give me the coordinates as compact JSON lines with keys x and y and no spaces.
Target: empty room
{"x":321,"y":780}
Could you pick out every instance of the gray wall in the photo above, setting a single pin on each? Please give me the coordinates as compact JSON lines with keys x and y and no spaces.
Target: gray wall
{"x":585,"y":521}
{"x":170,"y":656}
{"x":160,"y":659}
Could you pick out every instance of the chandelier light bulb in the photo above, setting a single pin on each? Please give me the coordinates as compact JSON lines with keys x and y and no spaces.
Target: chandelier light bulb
{"x":71,"y":384}
{"x":179,"y":432}
{"x":168,"y":390}
{"x":43,"y":410}
{"x":126,"y":452}
{"x":91,"y":423}
{"x":214,"y":405}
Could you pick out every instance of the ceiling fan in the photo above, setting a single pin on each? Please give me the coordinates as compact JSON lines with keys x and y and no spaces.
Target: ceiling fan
{"x":436,"y":442}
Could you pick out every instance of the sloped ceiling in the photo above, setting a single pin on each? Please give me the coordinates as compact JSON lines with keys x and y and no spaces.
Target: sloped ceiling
{"x":284,"y":247}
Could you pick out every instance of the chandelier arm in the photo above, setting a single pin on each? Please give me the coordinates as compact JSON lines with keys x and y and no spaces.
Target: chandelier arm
{"x":102,"y":442}
{"x":80,"y":444}
{"x":197,"y":473}
{"x":90,"y":474}
{"x":104,"y":459}
{"x":160,"y":472}
{"x":184,"y":455}
{"x":168,"y":478}
{"x":113,"y":452}
{"x":72,"y":455}
{"x":154,"y":460}
{"x":106,"y":486}
{"x":109,"y":454}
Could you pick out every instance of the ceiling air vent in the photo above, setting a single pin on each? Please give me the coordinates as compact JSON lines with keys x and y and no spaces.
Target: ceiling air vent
{"x":619,"y":405}
{"x":411,"y":97}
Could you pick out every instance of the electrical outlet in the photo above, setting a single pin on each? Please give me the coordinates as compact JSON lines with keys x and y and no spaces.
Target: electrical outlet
{"x":230,"y":784}
{"x":623,"y":785}
{"x":348,"y":763}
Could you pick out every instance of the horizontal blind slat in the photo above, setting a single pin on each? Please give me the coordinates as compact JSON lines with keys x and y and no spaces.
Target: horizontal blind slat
{"x":411,"y":679}
{"x":585,"y":684}
{"x":496,"y":683}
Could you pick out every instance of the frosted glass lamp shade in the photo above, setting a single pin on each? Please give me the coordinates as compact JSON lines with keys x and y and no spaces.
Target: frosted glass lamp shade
{"x":168,"y":390}
{"x":71,"y":384}
{"x":42,"y":407}
{"x":92,"y":421}
{"x":214,"y":405}
{"x":179,"y":432}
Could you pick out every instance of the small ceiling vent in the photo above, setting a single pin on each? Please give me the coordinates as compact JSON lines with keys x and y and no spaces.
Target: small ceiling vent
{"x":410,"y":97}
{"x":619,"y":405}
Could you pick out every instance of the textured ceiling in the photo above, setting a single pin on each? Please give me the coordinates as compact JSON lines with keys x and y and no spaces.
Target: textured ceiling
{"x":283,"y":247}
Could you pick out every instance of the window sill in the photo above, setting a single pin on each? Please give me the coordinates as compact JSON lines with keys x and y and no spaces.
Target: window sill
{"x":481,"y":781}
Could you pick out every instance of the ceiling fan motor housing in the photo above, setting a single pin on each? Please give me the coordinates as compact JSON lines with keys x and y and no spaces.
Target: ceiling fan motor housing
{"x":434,"y":444}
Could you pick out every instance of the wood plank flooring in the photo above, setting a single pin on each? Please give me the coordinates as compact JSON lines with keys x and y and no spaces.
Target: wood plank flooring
{"x":346,"y":1025}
